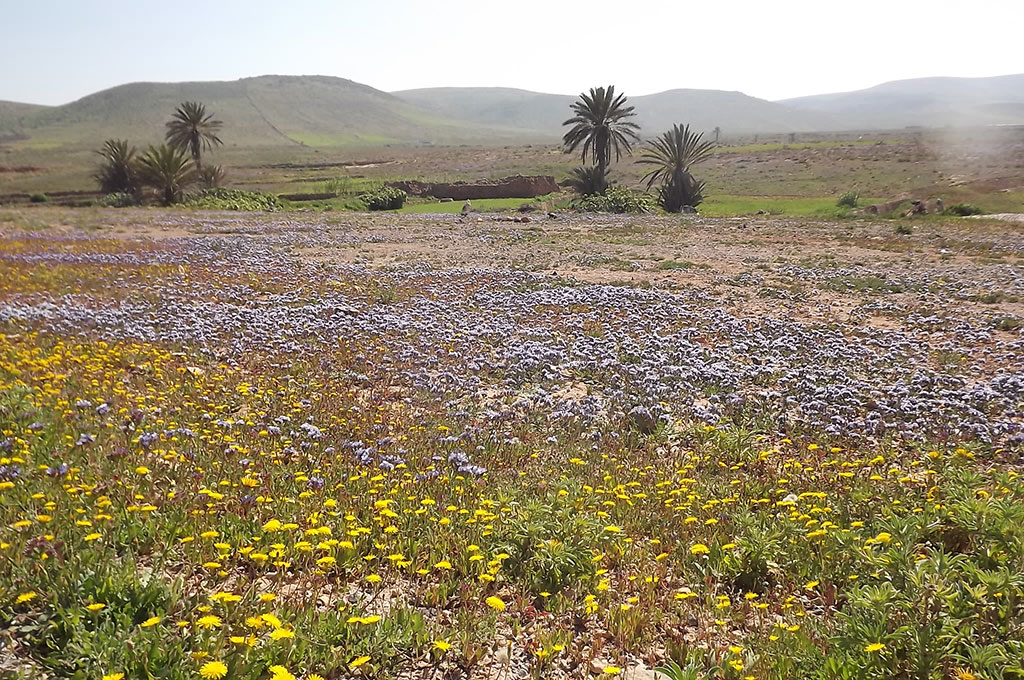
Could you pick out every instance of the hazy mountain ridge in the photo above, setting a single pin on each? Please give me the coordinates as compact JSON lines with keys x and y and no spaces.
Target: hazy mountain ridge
{"x":328,"y":111}
{"x":925,"y":101}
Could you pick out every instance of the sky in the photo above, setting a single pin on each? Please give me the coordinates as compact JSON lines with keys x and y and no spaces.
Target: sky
{"x":56,"y":51}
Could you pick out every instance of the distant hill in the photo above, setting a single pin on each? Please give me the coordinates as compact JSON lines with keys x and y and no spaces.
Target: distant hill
{"x":322,"y":111}
{"x":932,"y":102}
{"x":12,"y":118}
{"x":262,"y":111}
{"x":734,"y":112}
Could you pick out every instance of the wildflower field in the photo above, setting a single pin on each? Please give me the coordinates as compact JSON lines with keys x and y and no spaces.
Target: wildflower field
{"x":279,"y":447}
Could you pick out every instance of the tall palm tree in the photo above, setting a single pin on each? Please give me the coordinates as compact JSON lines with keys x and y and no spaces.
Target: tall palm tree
{"x":673,"y":154}
{"x":601,"y":126}
{"x":117,"y":171}
{"x":191,"y":129}
{"x":168,"y":170}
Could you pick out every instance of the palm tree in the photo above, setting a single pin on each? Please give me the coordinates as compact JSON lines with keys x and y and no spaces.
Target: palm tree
{"x":587,"y":180}
{"x":600,"y":125}
{"x":673,"y":154}
{"x":168,"y":170}
{"x":191,"y":129}
{"x":117,"y":171}
{"x":211,"y":176}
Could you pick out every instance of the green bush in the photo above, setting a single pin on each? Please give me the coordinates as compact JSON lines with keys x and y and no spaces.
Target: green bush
{"x":118,"y":199}
{"x":963,"y":210}
{"x":233,"y":199}
{"x":848,"y":200}
{"x":616,"y":200}
{"x":39,"y":198}
{"x":384,"y":198}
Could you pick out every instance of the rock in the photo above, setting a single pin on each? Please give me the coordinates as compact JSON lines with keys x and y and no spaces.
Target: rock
{"x":446,"y":200}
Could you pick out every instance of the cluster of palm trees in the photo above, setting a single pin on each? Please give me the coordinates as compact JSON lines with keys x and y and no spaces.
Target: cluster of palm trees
{"x":169,"y":169}
{"x":602,"y":127}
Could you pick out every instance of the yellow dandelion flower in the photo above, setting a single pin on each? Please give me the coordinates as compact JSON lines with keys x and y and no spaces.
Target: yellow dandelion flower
{"x":699,"y":549}
{"x":213,"y":670}
{"x":358,"y":661}
{"x":209,"y":621}
{"x":495,"y":603}
{"x":26,"y":597}
{"x":875,"y":647}
{"x":282,"y":634}
{"x":150,"y":622}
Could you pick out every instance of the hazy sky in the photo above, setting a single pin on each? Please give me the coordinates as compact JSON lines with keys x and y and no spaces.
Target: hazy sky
{"x":55,"y":51}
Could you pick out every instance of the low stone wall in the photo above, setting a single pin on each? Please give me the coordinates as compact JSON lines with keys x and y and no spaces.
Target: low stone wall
{"x":519,"y":186}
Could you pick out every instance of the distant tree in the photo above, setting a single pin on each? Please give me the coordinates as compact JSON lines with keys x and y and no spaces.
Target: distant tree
{"x":587,"y":180}
{"x":167,"y":170}
{"x":116,"y":173}
{"x":673,"y":154}
{"x":601,"y":126}
{"x":192,"y":130}
{"x":211,"y":176}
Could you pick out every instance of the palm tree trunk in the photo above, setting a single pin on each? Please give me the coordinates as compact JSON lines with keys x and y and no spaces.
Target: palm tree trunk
{"x":195,"y":153}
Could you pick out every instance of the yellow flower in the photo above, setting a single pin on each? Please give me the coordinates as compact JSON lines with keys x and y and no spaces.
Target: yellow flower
{"x":114,"y":676}
{"x":142,"y":470}
{"x":280,"y":673}
{"x":95,"y":607}
{"x":272,"y":525}
{"x":442,"y":645}
{"x":612,"y":529}
{"x":495,"y":603}
{"x":612,"y":670}
{"x":26,"y":597}
{"x":314,"y":676}
{"x":699,"y":549}
{"x":358,"y":661}
{"x":213,"y":670}
{"x":209,"y":621}
{"x":282,"y":634}
{"x":875,"y":647}
{"x":93,"y":536}
{"x":150,"y":622}
{"x":443,"y":564}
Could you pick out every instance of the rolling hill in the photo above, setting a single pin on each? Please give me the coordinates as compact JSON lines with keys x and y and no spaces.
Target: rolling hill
{"x":544,"y":113}
{"x":322,"y":111}
{"x":933,"y":102}
{"x":263,"y":111}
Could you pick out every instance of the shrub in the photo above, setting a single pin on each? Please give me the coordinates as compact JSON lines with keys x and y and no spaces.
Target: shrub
{"x":118,"y":199}
{"x":963,"y":210}
{"x":848,"y":200}
{"x":616,"y":200}
{"x":904,"y":229}
{"x":233,"y":199}
{"x":384,"y":198}
{"x":39,"y":198}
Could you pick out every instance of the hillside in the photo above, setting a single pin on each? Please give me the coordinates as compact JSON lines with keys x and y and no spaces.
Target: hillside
{"x":262,"y":111}
{"x":321,"y":111}
{"x":12,"y":117}
{"x":931,"y":102}
{"x":734,"y":112}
